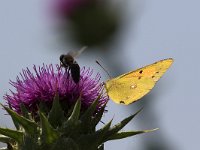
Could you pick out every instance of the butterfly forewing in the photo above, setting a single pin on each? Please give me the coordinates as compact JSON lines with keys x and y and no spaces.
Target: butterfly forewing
{"x":133,"y":85}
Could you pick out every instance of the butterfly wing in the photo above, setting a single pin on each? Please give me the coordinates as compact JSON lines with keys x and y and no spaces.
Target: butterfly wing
{"x":133,"y":85}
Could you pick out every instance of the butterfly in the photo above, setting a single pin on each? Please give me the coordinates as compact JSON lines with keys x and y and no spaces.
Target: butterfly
{"x":130,"y":87}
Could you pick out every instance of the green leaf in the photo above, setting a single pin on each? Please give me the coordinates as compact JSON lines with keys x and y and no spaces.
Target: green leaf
{"x":4,"y":148}
{"x":119,"y":126}
{"x":24,"y":111}
{"x":17,"y":126}
{"x":93,"y":140}
{"x":98,"y":116}
{"x":6,"y":139}
{"x":103,"y":130}
{"x":30,"y":143}
{"x":122,"y":135}
{"x":72,"y":126}
{"x":86,"y":119}
{"x":29,"y":126}
{"x":16,"y":135}
{"x":43,"y":107}
{"x":101,"y":147}
{"x":49,"y":135}
{"x":56,"y":115}
{"x":90,"y":111}
{"x":76,"y":111}
{"x":65,"y":143}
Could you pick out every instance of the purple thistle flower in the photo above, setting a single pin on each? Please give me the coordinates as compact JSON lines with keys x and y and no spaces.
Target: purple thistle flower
{"x":46,"y":81}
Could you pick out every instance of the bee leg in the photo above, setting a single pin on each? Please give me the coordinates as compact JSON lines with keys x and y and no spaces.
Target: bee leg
{"x":61,"y":65}
{"x":68,"y":72}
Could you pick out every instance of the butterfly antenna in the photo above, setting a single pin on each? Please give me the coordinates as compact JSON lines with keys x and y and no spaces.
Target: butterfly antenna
{"x":103,"y":69}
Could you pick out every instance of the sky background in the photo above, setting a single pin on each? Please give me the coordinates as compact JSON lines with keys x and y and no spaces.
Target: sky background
{"x":153,"y":30}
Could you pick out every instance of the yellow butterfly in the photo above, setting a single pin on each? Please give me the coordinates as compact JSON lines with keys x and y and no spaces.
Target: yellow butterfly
{"x":132,"y":86}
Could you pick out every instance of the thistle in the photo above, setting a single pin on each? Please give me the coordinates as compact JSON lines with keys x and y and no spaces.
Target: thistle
{"x":50,"y":111}
{"x":91,"y":22}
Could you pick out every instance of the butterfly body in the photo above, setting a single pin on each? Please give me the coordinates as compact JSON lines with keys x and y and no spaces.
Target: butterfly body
{"x":132,"y":86}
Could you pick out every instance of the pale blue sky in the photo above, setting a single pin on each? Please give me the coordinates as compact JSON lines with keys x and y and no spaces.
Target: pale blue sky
{"x":160,"y":29}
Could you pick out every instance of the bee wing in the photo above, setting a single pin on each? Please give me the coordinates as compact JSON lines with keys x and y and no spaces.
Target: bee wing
{"x":76,"y":53}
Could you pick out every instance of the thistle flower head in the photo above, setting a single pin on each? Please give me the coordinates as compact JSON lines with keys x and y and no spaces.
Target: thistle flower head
{"x":67,"y":7}
{"x":42,"y":85}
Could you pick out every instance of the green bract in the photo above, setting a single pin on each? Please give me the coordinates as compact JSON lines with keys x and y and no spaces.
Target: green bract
{"x":56,"y":130}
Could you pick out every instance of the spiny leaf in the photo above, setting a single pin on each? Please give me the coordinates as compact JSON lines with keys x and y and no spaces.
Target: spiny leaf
{"x":29,"y":126}
{"x":56,"y":115}
{"x":76,"y":111}
{"x":73,"y":121}
{"x":99,"y":115}
{"x":93,"y":140}
{"x":120,"y":125}
{"x":122,"y":135}
{"x":104,"y":129}
{"x":4,"y":148}
{"x":24,"y":111}
{"x":101,"y":147}
{"x":17,"y":126}
{"x":90,"y":111}
{"x":49,"y":135}
{"x":16,"y":135}
{"x":30,"y":143}
{"x":65,"y":143}
{"x":86,"y":119}
{"x":6,"y":139}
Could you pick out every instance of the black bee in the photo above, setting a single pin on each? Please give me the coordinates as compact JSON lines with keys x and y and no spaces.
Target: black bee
{"x":69,"y":63}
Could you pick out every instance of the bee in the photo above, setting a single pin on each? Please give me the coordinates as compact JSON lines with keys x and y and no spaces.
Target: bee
{"x":69,"y":63}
